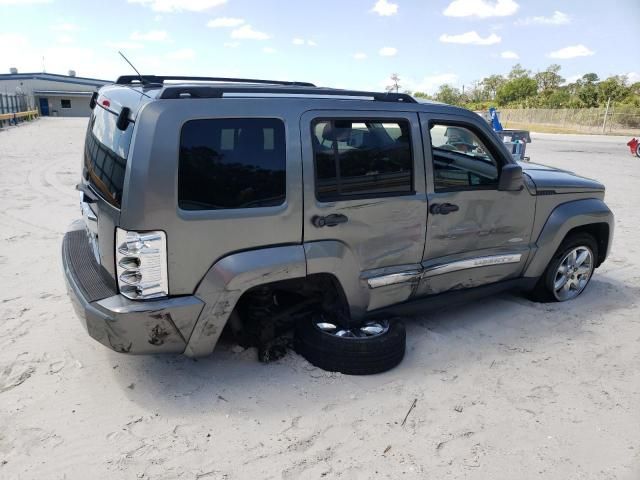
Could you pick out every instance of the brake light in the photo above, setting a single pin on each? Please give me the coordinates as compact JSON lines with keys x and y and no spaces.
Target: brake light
{"x":141,"y":264}
{"x":106,"y":103}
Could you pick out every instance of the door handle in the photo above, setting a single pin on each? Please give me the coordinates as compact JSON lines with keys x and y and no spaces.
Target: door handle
{"x":443,"y":208}
{"x":329,"y":221}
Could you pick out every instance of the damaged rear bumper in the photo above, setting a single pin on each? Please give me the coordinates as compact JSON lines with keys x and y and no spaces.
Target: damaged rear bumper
{"x":126,"y":326}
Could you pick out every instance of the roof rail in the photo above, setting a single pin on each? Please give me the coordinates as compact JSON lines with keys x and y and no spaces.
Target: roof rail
{"x":190,"y":91}
{"x":160,"y":79}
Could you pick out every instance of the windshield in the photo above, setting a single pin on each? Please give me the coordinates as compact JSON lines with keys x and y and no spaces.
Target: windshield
{"x":105,"y":154}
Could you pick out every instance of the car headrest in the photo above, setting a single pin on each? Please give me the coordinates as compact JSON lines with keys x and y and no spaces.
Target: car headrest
{"x":335,"y":131}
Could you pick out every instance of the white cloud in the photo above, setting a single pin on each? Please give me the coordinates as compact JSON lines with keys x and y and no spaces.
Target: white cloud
{"x":510,"y":55}
{"x":179,"y":5}
{"x":359,"y":56}
{"x":470,"y":38}
{"x":64,"y":27}
{"x":302,"y":41}
{"x":231,"y":44}
{"x":633,"y":77}
{"x":269,"y":50}
{"x":225,"y":22}
{"x":16,"y":40}
{"x":558,"y":18}
{"x":384,"y":8}
{"x":572,"y":51}
{"x":124,"y":45}
{"x":388,"y":51}
{"x":151,"y":36}
{"x":7,"y":3}
{"x":246,"y":32}
{"x":182,"y":54}
{"x":481,"y":8}
{"x":572,"y":79}
{"x":66,"y":39}
{"x":430,"y":83}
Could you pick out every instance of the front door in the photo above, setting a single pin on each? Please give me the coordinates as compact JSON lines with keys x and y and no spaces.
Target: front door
{"x":44,"y":107}
{"x":364,"y":192}
{"x":476,"y":234}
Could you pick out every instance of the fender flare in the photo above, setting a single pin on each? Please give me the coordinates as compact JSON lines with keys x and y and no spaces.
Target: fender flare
{"x":564,"y":218}
{"x":228,"y":279}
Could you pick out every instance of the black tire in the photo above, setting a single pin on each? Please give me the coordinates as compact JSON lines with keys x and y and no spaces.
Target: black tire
{"x":543,"y":291}
{"x":351,"y":355}
{"x":638,"y":151}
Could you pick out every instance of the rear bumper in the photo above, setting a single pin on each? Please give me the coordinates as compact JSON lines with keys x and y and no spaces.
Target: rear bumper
{"x":123,"y":325}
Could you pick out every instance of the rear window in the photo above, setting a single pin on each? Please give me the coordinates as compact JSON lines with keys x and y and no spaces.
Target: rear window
{"x":105,"y":154}
{"x":232,"y":163}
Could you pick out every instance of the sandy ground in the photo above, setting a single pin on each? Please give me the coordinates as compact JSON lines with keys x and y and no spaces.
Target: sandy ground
{"x":504,"y":388}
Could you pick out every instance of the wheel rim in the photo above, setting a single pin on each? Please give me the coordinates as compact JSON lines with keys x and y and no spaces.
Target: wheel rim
{"x":373,"y":328}
{"x":573,"y":273}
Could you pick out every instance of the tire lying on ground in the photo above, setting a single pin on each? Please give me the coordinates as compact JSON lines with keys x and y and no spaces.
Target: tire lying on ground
{"x":374,"y":346}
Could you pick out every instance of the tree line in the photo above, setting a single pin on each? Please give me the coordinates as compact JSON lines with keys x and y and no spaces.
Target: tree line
{"x":521,"y":88}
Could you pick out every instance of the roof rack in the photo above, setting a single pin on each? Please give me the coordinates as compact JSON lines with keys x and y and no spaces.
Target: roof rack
{"x":206,"y":91}
{"x":152,"y":80}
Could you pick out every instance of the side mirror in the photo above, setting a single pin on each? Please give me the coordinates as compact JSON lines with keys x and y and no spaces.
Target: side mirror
{"x":511,"y":178}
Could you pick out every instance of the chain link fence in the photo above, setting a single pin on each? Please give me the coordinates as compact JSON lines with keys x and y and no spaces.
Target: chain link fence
{"x":621,"y":120}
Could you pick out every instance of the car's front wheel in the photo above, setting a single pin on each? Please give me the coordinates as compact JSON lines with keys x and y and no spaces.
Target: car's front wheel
{"x":569,"y":271}
{"x":373,"y":346}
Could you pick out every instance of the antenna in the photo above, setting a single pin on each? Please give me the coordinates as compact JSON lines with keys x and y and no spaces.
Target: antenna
{"x":142,"y":81}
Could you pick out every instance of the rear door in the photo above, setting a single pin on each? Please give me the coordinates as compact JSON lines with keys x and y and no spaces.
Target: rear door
{"x":364,"y":187}
{"x":476,"y":234}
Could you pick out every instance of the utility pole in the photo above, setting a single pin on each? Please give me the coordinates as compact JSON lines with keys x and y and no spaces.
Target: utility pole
{"x":606,"y":112}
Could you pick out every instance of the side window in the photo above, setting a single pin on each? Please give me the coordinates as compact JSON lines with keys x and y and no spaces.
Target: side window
{"x":232,"y":163}
{"x":362,"y":158}
{"x":460,"y":160}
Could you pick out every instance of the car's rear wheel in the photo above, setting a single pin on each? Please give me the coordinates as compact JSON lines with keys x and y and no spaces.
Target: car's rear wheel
{"x":569,"y":271}
{"x":373,"y":346}
{"x":638,"y":151}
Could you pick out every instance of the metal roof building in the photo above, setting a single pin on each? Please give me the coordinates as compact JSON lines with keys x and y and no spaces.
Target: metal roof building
{"x":50,"y":93}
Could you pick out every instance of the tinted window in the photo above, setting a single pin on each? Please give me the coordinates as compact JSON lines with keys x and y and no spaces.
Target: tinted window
{"x":105,"y":154}
{"x":232,"y":163}
{"x":65,"y":103}
{"x":460,"y":160}
{"x":362,"y":158}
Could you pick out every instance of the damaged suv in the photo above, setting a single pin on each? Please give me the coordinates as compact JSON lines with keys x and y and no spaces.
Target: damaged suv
{"x":279,"y":206}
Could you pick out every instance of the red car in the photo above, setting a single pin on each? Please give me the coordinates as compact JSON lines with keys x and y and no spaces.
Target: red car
{"x":634,"y":146}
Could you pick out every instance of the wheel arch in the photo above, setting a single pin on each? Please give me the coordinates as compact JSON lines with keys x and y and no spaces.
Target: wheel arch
{"x":587,"y":215}
{"x":229,"y":278}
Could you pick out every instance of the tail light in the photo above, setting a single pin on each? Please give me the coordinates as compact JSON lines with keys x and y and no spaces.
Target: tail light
{"x":141,"y":264}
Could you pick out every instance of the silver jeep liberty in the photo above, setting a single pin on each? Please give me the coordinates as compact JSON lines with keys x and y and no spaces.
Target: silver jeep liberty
{"x":286,"y":211}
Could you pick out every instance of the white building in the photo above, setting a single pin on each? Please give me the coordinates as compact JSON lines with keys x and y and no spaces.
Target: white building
{"x":51,"y":94}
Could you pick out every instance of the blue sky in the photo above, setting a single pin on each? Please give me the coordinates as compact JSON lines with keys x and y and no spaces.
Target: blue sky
{"x":338,"y":43}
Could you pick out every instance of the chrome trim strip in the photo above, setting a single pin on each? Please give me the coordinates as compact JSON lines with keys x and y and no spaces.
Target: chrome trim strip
{"x":393,"y":278}
{"x":471,"y":263}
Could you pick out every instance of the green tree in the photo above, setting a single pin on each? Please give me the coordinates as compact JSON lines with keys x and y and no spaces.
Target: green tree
{"x":517,"y":90}
{"x":614,"y":88}
{"x":586,"y":90}
{"x":491,"y":84}
{"x":549,"y":79}
{"x":448,"y":94}
{"x":517,"y":71}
